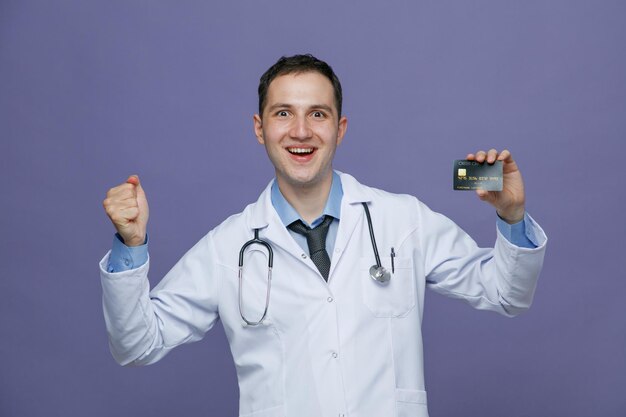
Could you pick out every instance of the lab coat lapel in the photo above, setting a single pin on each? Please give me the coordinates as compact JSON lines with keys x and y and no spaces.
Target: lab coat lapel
{"x":351,"y":215}
{"x":263,"y":216}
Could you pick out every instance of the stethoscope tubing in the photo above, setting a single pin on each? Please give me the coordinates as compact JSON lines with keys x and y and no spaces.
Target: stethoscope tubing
{"x":371,"y":228}
{"x":270,"y":263}
{"x":377,"y":272}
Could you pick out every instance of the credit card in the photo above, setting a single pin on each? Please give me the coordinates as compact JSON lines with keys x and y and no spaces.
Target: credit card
{"x":471,"y":175}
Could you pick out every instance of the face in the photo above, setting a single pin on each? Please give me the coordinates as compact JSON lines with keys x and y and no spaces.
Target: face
{"x":300,"y":128}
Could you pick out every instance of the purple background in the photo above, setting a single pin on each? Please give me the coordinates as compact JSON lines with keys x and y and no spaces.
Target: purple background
{"x":91,"y":91}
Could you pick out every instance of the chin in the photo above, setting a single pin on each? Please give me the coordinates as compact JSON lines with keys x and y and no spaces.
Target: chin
{"x":304,"y":180}
{"x":299,"y":176}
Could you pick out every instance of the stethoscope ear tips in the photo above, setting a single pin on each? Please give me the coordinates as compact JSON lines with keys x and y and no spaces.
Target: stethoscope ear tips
{"x":380,"y":274}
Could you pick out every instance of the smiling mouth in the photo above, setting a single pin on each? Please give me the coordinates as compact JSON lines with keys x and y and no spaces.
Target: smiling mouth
{"x":300,"y":151}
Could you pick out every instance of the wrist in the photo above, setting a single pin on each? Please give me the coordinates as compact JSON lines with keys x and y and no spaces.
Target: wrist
{"x":512,"y":216}
{"x":137,"y":242}
{"x":133,"y":241}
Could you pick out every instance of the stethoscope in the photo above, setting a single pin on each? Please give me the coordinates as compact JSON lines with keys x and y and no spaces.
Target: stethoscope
{"x":378,"y":272}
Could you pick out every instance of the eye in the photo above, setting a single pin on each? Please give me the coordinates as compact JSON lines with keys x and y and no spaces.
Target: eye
{"x":318,"y":114}
{"x":282,"y":113}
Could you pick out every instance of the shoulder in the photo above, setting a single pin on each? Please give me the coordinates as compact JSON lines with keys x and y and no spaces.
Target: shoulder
{"x":256,"y":215}
{"x":356,"y":192}
{"x":238,"y":227}
{"x":395,"y":209}
{"x":233,"y":225}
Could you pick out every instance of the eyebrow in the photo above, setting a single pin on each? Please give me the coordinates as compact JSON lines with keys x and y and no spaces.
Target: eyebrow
{"x":314,"y":106}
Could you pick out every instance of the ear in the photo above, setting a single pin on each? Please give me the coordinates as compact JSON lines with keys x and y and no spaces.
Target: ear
{"x":343,"y":126}
{"x":258,"y":129}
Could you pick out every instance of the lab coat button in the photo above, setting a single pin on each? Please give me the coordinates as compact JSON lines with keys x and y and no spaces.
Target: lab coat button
{"x":335,"y":355}
{"x":126,"y":262}
{"x":329,"y":299}
{"x":303,"y":256}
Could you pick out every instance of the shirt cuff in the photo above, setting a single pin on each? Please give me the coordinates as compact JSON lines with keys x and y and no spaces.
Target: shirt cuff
{"x":124,"y":258}
{"x":518,"y":234}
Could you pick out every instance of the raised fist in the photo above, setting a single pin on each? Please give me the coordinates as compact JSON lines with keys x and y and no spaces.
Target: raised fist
{"x":127,"y":207}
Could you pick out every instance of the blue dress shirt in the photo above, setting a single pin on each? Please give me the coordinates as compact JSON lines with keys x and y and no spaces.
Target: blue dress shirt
{"x":124,"y":257}
{"x":289,"y":215}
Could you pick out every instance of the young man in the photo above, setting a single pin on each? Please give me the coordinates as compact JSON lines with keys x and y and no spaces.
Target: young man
{"x":321,"y":337}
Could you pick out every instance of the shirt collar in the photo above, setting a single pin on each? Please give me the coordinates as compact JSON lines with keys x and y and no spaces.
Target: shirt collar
{"x":289,"y":215}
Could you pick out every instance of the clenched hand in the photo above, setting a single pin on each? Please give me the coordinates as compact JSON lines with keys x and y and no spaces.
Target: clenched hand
{"x":127,"y":207}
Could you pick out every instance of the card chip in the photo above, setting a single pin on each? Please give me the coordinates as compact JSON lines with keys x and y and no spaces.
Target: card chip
{"x":462,"y":172}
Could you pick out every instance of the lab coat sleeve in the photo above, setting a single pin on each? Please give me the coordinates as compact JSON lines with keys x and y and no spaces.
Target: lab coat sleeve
{"x":501,"y":279}
{"x":143,"y":325}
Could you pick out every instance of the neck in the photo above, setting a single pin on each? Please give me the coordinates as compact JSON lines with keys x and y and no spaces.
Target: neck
{"x":308,"y":201}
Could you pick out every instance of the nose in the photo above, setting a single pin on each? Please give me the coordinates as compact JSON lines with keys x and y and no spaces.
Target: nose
{"x":300,"y":129}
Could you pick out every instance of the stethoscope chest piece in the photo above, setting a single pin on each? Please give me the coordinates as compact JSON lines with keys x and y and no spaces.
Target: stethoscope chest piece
{"x":377,"y":272}
{"x":380,"y":274}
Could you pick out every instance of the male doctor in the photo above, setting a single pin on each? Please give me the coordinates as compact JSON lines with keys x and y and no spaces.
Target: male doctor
{"x":333,"y":342}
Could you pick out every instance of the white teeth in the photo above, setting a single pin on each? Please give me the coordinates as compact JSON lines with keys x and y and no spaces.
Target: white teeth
{"x":301,"y":150}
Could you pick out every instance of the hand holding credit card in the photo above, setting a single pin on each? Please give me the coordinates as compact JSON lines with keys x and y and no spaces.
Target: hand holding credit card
{"x":496,"y":180}
{"x":473,"y":175}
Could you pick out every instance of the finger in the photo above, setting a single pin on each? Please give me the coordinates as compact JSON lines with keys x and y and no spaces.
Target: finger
{"x":491,"y":156}
{"x":121,"y":191}
{"x":113,"y":208}
{"x":133,"y":179}
{"x":122,"y":196}
{"x":480,"y":156}
{"x":482,"y":194}
{"x":470,"y":157}
{"x":121,"y":216}
{"x":129,"y":213}
{"x":123,"y":204}
{"x":112,"y":205}
{"x":505,"y":155}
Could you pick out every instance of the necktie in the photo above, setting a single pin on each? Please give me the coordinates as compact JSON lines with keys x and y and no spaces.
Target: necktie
{"x":316,"y":240}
